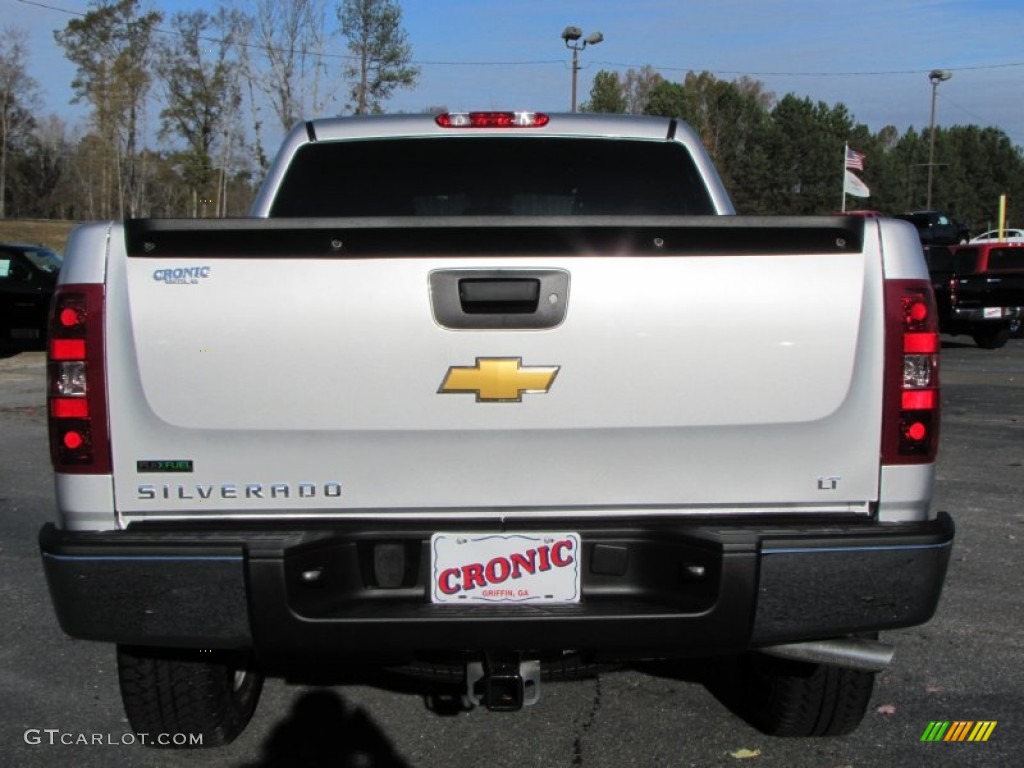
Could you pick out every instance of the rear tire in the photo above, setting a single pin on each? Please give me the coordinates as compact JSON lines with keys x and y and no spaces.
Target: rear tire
{"x":790,"y":698}
{"x":201,"y":699}
{"x":992,"y":339}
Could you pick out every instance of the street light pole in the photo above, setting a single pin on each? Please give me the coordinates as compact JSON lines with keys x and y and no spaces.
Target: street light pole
{"x":571,"y":36}
{"x":936,"y":76}
{"x":575,"y":71}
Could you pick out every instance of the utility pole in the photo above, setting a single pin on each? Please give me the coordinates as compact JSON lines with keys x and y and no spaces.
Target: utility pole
{"x":571,"y":36}
{"x":936,"y":76}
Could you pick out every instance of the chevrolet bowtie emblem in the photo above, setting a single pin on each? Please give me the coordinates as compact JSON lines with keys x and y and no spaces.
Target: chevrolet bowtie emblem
{"x":499,"y":379}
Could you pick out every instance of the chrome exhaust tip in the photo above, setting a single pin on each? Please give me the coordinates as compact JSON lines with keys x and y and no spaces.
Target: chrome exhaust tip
{"x":853,"y":652}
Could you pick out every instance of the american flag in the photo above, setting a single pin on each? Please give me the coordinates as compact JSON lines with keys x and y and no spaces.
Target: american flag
{"x":854,"y":160}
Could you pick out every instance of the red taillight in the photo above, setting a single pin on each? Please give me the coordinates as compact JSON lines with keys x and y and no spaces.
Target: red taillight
{"x":492,"y":120}
{"x":67,"y":349}
{"x":69,"y":408}
{"x":71,"y":316}
{"x":919,"y":400}
{"x":79,"y":434}
{"x":910,"y":428}
{"x":920,"y":343}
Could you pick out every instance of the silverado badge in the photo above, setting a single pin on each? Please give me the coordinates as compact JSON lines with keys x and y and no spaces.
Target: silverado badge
{"x":499,"y":379}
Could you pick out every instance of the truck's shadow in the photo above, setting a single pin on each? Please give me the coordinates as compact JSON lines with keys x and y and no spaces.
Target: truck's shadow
{"x":322,"y":731}
{"x":718,"y":675}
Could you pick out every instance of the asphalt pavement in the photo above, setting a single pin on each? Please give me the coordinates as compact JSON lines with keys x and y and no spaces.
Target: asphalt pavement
{"x":59,"y":701}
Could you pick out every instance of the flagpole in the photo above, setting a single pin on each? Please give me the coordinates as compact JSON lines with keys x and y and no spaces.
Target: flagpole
{"x":846,"y":149}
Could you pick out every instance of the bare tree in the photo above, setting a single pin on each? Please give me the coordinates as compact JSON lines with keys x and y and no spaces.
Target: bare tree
{"x":289,"y":36}
{"x":112,"y":47}
{"x":43,"y":172}
{"x":18,"y":98}
{"x":202,"y":92}
{"x":382,"y":57}
{"x":637,"y":88}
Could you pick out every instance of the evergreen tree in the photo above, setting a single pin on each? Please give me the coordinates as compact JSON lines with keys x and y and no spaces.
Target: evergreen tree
{"x":606,"y":94}
{"x":381,"y":55}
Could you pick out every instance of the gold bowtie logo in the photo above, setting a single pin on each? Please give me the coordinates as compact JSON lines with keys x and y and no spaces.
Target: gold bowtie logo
{"x":499,"y":379}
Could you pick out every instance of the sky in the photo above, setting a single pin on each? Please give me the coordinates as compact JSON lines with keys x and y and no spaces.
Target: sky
{"x":874,"y":56}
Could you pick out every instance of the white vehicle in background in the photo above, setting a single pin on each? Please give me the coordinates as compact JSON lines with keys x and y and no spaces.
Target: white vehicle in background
{"x":993,"y":236}
{"x":478,"y":396}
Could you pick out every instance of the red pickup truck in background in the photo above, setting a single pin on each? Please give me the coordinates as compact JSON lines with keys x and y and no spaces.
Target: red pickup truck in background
{"x":979,"y":289}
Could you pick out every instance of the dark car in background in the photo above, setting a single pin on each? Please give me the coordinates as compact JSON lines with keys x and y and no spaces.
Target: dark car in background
{"x":28,"y":276}
{"x":937,"y":228}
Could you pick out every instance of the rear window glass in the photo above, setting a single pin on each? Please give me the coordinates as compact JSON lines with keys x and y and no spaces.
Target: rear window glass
{"x":966,"y":260}
{"x":939,"y":259}
{"x":492,"y":177}
{"x":918,"y":220}
{"x":1006,"y":258}
{"x":43,"y":259}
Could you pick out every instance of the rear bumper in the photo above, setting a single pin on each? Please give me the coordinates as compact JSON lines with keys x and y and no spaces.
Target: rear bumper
{"x":671,"y":590}
{"x":986,"y":314}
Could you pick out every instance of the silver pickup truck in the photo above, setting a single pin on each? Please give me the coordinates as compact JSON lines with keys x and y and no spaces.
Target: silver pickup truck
{"x":494,"y":398}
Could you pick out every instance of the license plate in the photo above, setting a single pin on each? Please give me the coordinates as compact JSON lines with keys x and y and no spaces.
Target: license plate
{"x":993,"y":312}
{"x":505,"y":568}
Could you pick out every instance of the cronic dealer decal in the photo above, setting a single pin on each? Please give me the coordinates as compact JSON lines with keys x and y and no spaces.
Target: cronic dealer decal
{"x":181,"y":275}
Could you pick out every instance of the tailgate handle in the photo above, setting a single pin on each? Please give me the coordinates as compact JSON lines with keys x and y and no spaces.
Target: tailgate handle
{"x":503,"y":298}
{"x":497,"y":296}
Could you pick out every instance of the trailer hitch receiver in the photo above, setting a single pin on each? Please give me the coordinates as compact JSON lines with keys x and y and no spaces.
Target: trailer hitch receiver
{"x":503,"y":682}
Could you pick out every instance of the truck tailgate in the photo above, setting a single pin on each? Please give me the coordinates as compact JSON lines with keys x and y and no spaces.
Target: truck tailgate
{"x":990,"y":289}
{"x":725,"y":364}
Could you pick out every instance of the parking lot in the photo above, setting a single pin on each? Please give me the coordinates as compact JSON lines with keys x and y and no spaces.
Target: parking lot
{"x":59,"y":701}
